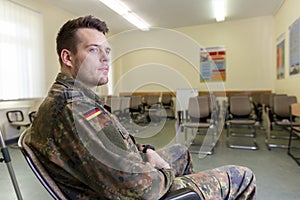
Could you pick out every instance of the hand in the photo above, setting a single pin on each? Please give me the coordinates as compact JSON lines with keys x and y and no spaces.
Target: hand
{"x":156,"y":160}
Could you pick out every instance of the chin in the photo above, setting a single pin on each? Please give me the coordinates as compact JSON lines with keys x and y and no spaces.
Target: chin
{"x":102,"y":82}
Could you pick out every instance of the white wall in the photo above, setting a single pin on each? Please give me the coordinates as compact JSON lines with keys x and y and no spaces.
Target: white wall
{"x":287,"y":14}
{"x":249,"y":45}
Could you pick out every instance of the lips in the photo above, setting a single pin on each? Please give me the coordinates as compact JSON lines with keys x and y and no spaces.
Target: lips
{"x":105,"y":69}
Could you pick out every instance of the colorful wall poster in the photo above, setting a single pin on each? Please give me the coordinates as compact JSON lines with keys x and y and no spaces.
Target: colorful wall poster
{"x":213,"y":64}
{"x":280,"y":62}
{"x":294,"y":49}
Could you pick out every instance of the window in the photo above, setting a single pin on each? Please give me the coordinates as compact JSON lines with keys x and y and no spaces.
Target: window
{"x":21,"y":52}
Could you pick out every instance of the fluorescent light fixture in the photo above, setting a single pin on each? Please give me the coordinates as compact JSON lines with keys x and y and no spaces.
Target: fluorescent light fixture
{"x":120,"y":8}
{"x":219,"y":10}
{"x":116,"y":6}
{"x":137,"y":21}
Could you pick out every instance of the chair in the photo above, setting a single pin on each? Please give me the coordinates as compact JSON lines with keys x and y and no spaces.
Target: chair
{"x":125,"y":109}
{"x":274,"y":106}
{"x":258,"y":106}
{"x":156,"y":114}
{"x":281,"y":108}
{"x":6,"y":158}
{"x":151,"y":100}
{"x":279,"y":115}
{"x":17,"y":122}
{"x":108,"y":102}
{"x":294,"y":130}
{"x":120,"y":106}
{"x":168,"y":104}
{"x":266,"y":100}
{"x":38,"y":169}
{"x":16,"y":119}
{"x":49,"y":184}
{"x":198,"y":117}
{"x":166,"y":100}
{"x":241,"y":115}
{"x":136,"y":109}
{"x":151,"y":104}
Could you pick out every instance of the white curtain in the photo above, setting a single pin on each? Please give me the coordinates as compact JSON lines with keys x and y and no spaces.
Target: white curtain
{"x":21,"y":52}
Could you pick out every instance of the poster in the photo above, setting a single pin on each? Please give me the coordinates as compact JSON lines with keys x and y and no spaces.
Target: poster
{"x":213,"y":64}
{"x":280,"y":62}
{"x":294,"y":49}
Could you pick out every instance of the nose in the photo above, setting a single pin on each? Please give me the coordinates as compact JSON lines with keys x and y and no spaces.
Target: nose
{"x":104,"y":56}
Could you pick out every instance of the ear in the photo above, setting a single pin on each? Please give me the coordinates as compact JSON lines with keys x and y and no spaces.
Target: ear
{"x":66,"y":57}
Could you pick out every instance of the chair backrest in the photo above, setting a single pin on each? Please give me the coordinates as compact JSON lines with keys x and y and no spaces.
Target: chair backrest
{"x":115,"y":103}
{"x":108,"y":100}
{"x":281,"y":106}
{"x":14,"y":116}
{"x":199,"y":107}
{"x":16,"y":119}
{"x":257,"y":98}
{"x":265,"y":98}
{"x":135,"y":102}
{"x":125,"y":103}
{"x":151,"y":99}
{"x":38,"y":169}
{"x":240,"y":105}
{"x":213,"y":103}
{"x":166,"y":99}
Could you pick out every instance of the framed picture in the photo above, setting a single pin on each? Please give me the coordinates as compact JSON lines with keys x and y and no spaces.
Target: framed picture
{"x":213,"y":64}
{"x":294,"y":48}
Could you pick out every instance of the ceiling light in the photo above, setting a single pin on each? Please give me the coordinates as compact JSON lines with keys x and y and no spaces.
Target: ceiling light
{"x":120,"y":8}
{"x":219,"y":10}
{"x":137,"y":21}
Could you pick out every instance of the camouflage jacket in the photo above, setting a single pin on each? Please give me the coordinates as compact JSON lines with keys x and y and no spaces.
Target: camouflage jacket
{"x":87,"y":151}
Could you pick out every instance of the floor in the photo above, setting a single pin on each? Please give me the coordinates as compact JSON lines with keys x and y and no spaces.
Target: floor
{"x":278,"y":176}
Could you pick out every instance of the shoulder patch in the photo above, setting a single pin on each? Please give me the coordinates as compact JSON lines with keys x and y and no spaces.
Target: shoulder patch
{"x":92,"y":113}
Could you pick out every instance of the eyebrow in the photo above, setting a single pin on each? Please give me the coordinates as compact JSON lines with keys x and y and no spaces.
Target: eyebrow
{"x":99,"y":46}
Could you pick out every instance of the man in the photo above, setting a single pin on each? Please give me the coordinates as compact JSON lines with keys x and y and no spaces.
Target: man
{"x":90,"y":155}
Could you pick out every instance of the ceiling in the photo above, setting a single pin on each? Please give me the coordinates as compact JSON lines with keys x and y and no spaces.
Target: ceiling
{"x":169,"y":13}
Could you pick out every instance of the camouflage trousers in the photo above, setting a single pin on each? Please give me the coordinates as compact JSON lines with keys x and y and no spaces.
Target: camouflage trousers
{"x":226,"y":182}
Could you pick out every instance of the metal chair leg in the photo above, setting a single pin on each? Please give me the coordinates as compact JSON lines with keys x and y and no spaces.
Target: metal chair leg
{"x":296,"y":158}
{"x":7,"y":160}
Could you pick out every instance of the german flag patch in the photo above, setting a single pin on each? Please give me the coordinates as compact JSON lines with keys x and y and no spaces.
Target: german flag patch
{"x":92,"y":113}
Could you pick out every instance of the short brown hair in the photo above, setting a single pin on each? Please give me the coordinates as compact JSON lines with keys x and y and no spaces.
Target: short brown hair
{"x":66,"y":37}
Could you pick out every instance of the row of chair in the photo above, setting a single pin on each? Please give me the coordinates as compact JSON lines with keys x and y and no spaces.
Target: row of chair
{"x":273,"y":110}
{"x":240,"y":120}
{"x":242,"y":114}
{"x":140,"y":108}
{"x":208,"y":117}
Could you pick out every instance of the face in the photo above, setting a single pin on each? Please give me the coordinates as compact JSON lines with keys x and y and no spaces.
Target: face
{"x":90,"y":64}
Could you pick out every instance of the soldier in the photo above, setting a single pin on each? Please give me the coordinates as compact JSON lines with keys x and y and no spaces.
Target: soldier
{"x":90,"y":155}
